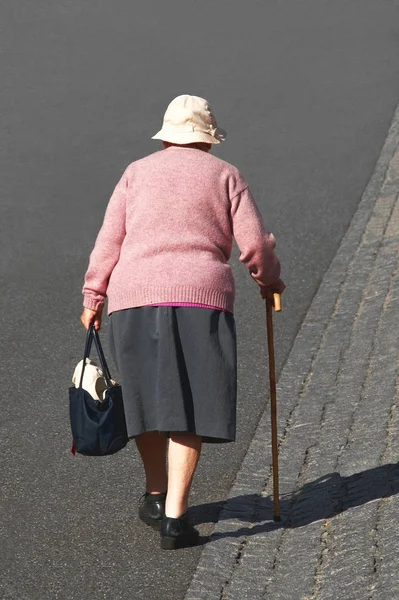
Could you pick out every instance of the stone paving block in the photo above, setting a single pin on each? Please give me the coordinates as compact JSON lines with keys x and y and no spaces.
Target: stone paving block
{"x":348,"y":562}
{"x":258,"y":557}
{"x":392,"y":451}
{"x":296,"y":563}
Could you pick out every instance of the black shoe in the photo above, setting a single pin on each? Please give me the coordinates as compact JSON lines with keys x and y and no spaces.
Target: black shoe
{"x":178,"y":533}
{"x":152,"y":509}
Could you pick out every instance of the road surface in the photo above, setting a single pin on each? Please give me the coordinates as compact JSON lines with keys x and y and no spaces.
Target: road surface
{"x":306,"y":92}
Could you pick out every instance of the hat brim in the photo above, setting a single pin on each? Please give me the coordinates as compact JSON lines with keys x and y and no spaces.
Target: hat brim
{"x":187,"y":137}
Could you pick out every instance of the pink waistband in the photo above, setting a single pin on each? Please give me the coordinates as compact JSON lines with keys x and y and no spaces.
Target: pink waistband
{"x":192,"y":304}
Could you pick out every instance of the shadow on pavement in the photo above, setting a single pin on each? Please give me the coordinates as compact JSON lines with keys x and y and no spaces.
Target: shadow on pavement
{"x":321,"y":499}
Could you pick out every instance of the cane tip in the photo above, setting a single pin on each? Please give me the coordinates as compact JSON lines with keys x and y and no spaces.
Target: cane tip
{"x":277,"y":519}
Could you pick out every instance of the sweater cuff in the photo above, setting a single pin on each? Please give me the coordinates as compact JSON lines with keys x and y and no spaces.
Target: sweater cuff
{"x":91,"y":303}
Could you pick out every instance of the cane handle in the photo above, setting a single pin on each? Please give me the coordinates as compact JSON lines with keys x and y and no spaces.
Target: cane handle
{"x":277,"y":302}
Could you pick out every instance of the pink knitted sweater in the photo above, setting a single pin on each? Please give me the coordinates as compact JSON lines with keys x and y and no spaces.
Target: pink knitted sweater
{"x":168,"y":230}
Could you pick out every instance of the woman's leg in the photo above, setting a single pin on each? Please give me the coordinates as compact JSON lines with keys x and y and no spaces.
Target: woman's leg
{"x":183,"y":457}
{"x":152,"y":448}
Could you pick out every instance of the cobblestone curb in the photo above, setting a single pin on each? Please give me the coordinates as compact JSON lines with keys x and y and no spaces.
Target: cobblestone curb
{"x":337,"y":431}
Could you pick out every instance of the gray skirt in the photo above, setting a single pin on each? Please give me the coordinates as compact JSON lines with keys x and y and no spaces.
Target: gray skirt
{"x":178,"y":370}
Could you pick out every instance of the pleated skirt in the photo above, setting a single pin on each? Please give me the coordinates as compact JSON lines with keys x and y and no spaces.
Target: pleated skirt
{"x":178,"y":370}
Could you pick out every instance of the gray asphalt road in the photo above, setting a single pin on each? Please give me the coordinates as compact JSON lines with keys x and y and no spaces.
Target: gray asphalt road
{"x":306,"y":91}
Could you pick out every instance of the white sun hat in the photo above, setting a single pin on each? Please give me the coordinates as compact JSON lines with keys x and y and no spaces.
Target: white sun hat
{"x":189,"y":119}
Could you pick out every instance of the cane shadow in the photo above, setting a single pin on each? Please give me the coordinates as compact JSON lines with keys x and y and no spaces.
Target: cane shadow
{"x":320,"y":499}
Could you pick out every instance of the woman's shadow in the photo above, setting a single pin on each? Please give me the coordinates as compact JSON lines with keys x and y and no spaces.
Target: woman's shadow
{"x":321,"y":499}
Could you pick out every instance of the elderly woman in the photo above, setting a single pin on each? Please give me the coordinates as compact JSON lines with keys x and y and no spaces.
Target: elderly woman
{"x":161,"y":259}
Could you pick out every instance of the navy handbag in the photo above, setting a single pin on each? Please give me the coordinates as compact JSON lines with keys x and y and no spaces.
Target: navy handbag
{"x":98,"y":426}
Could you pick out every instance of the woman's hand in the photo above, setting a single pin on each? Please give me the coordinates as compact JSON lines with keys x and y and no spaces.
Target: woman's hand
{"x":267,"y":291}
{"x":89,"y":316}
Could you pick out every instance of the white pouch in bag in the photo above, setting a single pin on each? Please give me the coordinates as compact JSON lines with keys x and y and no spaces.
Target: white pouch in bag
{"x":93,"y":379}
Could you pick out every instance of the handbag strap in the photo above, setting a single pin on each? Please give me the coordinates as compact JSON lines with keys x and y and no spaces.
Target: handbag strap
{"x":92,"y":333}
{"x":89,"y":339}
{"x":101,"y":356}
{"x":86,"y":354}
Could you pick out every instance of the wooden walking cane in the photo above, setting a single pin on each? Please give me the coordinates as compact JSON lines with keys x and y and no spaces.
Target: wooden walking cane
{"x":276,"y":302}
